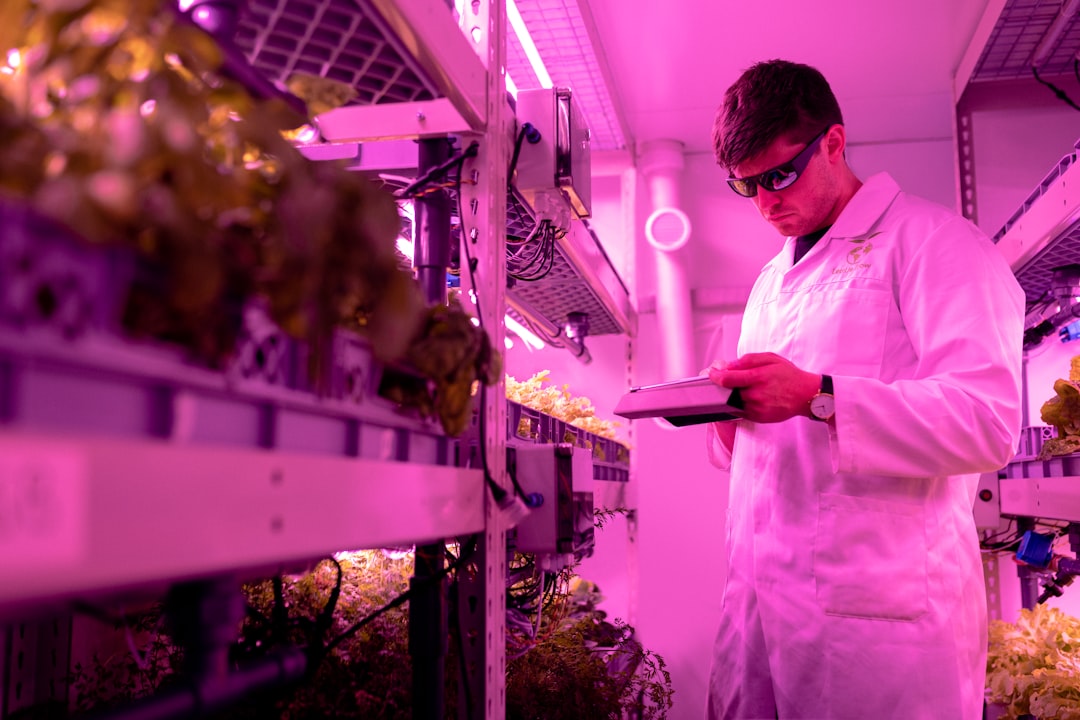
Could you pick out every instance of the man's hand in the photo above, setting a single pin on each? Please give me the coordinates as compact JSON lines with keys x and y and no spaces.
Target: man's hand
{"x":771,"y":387}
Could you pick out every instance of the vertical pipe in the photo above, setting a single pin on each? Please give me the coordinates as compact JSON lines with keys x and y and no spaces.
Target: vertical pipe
{"x":667,"y":230}
{"x":428,"y":605}
{"x":431,"y":214}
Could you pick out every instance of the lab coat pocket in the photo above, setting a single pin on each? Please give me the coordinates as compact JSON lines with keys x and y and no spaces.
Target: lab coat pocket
{"x":848,"y":325}
{"x":870,"y":558}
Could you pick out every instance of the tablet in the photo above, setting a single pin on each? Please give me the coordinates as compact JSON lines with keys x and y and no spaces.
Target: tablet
{"x":688,"y":401}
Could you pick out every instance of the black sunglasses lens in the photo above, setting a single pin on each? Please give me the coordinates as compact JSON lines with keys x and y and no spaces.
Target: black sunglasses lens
{"x":745,"y":187}
{"x":779,"y":178}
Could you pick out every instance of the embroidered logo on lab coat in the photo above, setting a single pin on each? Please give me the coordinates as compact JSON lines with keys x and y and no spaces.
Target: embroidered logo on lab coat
{"x":856,"y":260}
{"x":858,"y":254}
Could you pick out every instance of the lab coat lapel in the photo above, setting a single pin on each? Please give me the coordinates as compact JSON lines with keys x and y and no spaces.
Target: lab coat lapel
{"x":858,"y":221}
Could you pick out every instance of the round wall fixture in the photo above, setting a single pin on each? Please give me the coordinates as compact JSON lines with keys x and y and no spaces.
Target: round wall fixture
{"x":667,"y":229}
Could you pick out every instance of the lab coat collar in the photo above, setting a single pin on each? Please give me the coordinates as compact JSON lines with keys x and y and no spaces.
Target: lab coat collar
{"x":857,"y":220}
{"x":865,"y":208}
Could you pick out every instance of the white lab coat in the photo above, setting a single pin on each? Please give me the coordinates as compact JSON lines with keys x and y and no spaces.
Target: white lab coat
{"x":855,"y":587}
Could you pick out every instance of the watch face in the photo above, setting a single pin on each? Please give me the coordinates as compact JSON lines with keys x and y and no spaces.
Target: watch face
{"x":823,"y":407}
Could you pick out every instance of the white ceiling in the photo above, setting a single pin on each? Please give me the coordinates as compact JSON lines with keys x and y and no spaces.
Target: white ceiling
{"x":890,"y":62}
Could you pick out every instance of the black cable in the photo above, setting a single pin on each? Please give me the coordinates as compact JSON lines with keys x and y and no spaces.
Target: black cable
{"x":1056,"y":90}
{"x":517,"y":151}
{"x":528,"y":132}
{"x":279,"y":614}
{"x":325,"y":618}
{"x":1076,"y":69}
{"x":439,"y":171}
{"x":525,"y":269}
{"x":466,"y":554}
{"x":548,"y":259}
{"x":497,"y":492}
{"x":463,"y":664}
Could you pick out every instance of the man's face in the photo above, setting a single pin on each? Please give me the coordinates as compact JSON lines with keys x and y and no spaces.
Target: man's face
{"x":809,"y":203}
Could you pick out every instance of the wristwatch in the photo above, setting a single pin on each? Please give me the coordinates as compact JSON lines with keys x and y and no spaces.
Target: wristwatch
{"x":823,"y":405}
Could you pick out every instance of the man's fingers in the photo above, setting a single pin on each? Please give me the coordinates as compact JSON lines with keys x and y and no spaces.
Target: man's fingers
{"x":734,"y":378}
{"x":753,"y":360}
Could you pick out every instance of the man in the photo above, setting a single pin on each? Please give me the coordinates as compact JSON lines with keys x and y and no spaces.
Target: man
{"x":879,"y":364}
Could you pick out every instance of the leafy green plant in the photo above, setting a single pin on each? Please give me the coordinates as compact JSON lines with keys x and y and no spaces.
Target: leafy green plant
{"x":577,"y":663}
{"x":122,"y":124}
{"x":145,"y":664}
{"x":1033,"y":665}
{"x":585,"y":667}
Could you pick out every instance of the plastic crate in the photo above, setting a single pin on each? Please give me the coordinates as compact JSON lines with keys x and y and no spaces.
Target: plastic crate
{"x":67,"y":366}
{"x":1060,"y":466}
{"x":611,"y":459}
{"x":51,"y":283}
{"x":1039,"y":191}
{"x":1031,"y":441}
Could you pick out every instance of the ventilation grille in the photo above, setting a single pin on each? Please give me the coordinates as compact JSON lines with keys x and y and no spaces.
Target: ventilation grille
{"x":336,"y":39}
{"x":1035,"y":277}
{"x":1016,"y":36}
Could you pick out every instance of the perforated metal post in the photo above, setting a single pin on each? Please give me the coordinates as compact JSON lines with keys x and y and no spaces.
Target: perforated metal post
{"x":482,"y":591}
{"x":965,"y":170}
{"x":34,"y":669}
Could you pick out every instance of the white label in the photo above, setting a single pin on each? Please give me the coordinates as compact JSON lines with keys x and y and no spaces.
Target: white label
{"x":42,"y":506}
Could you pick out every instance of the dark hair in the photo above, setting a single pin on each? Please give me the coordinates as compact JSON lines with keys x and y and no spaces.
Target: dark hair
{"x":769,"y":100}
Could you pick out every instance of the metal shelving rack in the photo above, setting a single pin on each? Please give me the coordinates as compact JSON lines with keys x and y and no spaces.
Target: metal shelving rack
{"x":124,"y":470}
{"x":1043,"y":233}
{"x":1012,"y":37}
{"x":130,"y":470}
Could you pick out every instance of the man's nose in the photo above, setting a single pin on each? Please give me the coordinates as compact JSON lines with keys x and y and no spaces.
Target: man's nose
{"x":766,"y":198}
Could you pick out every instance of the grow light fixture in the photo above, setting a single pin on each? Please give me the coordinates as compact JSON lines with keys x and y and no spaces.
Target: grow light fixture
{"x":527,"y":44}
{"x":527,"y":336}
{"x":1053,"y":33}
{"x":564,"y":35}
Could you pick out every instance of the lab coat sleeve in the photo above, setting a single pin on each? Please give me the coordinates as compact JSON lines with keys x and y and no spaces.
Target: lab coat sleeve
{"x":959,"y":410}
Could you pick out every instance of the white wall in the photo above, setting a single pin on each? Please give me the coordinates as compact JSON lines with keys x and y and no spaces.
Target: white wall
{"x":1019,"y":132}
{"x":666,"y":574}
{"x":682,"y":499}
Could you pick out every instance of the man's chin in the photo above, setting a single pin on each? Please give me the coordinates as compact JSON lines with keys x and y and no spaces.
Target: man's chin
{"x":786,"y":226}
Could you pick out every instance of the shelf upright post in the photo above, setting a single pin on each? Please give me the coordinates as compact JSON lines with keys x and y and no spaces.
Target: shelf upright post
{"x":482,"y":593}
{"x":427,"y":608}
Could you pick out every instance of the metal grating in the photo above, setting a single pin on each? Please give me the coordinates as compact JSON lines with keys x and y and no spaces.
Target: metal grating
{"x":562,"y":292}
{"x":1035,"y":277}
{"x":335,"y":39}
{"x":1016,"y":36}
{"x":560,"y":32}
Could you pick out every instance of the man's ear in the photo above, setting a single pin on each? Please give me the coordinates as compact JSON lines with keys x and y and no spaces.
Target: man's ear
{"x":835,"y":142}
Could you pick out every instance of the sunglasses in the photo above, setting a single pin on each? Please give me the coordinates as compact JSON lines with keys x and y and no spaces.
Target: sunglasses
{"x":779,"y":177}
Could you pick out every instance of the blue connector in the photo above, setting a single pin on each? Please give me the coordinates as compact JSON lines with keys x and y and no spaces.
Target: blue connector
{"x":1036,"y":549}
{"x":1070,"y":331}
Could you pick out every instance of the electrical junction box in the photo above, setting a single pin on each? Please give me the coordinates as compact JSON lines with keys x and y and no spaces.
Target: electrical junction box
{"x":987,"y":507}
{"x":560,"y":477}
{"x":560,"y":161}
